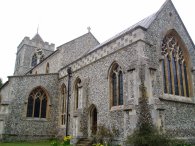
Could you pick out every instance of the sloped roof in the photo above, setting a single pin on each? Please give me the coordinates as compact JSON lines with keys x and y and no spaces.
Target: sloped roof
{"x":37,"y":38}
{"x":144,"y":23}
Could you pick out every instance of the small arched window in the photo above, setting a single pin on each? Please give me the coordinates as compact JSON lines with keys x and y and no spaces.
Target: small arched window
{"x":116,"y":85}
{"x":34,"y":60}
{"x":37,"y":104}
{"x":42,"y":58}
{"x":78,"y":96}
{"x":47,"y":68}
{"x":63,"y":104}
{"x":175,"y":66}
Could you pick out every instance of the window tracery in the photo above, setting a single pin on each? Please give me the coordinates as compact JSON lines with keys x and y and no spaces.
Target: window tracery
{"x":116,"y":85}
{"x":37,"y":104}
{"x":175,"y":67}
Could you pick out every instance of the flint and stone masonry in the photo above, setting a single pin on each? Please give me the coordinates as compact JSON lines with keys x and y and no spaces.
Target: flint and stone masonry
{"x":44,"y":100}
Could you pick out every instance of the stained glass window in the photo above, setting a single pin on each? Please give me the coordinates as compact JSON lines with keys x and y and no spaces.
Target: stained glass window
{"x":37,"y":104}
{"x":114,"y":85}
{"x":186,"y":80}
{"x":77,"y":92}
{"x":120,"y":88}
{"x":175,"y":75}
{"x":63,"y":104}
{"x":174,"y":67}
{"x":164,"y":76}
{"x":116,"y":76}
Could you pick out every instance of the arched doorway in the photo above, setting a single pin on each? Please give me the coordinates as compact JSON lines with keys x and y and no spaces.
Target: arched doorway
{"x":93,"y":120}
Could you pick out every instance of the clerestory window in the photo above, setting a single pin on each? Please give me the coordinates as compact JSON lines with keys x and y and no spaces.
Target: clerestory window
{"x":175,"y":66}
{"x":37,"y":104}
{"x":116,"y":85}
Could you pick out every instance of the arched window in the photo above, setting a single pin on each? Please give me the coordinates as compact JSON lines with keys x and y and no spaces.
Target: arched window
{"x":34,"y":60}
{"x":175,"y":66}
{"x":37,"y":104}
{"x":47,"y":68}
{"x":63,"y":104}
{"x":116,"y":85}
{"x":42,"y":58}
{"x":78,"y":93}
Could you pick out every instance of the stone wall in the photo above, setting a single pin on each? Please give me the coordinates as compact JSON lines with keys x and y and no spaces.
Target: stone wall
{"x":67,"y":53}
{"x":96,"y":91}
{"x":17,"y":125}
{"x":54,"y":64}
{"x":179,"y":111}
{"x":24,"y":58}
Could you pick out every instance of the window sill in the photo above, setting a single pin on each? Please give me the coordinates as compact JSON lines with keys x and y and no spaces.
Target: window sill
{"x":117,"y":108}
{"x":63,"y":126}
{"x":176,"y":98}
{"x":36,"y":119}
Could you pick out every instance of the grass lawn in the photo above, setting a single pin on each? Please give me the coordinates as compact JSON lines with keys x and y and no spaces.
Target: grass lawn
{"x":46,"y":143}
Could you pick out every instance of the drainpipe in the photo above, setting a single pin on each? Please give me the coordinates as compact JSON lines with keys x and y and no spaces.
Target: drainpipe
{"x":69,"y":71}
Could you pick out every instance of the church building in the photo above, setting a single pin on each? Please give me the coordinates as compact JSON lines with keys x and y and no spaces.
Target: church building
{"x":74,"y":88}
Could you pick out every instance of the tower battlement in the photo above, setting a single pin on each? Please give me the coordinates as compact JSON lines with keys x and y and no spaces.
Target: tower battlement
{"x":37,"y":42}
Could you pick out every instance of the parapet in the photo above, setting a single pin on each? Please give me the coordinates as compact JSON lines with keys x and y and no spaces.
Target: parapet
{"x":36,"y":43}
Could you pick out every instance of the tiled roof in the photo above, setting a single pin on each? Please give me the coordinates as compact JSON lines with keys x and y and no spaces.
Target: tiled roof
{"x":145,"y":23}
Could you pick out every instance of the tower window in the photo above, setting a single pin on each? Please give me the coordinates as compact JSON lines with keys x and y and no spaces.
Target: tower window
{"x":34,"y":60}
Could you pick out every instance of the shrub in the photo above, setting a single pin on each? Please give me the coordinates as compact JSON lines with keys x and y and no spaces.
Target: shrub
{"x":104,"y":134}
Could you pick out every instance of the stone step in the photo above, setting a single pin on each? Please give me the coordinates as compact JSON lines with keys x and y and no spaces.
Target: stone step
{"x":84,"y":142}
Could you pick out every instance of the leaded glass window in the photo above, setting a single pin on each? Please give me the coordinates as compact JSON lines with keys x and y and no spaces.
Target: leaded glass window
{"x":63,"y":104}
{"x":37,"y":104}
{"x":114,"y":91}
{"x":116,"y":85}
{"x":175,"y":67}
{"x":78,"y":92}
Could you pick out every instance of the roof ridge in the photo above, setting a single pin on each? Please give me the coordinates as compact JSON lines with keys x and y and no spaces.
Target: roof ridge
{"x":145,"y":23}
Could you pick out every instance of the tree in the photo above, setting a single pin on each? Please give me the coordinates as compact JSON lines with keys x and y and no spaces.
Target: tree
{"x":1,"y":82}
{"x":146,"y":134}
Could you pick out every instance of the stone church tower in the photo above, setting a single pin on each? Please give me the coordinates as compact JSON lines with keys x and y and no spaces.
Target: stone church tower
{"x":84,"y":84}
{"x":31,"y":52}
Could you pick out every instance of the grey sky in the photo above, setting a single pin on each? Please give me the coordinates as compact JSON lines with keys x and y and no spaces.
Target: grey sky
{"x":61,"y":21}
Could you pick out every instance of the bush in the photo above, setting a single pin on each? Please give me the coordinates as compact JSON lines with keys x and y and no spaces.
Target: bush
{"x":104,"y":134}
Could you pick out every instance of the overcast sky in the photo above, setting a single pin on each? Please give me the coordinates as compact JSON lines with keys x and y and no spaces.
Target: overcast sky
{"x":63,"y":20}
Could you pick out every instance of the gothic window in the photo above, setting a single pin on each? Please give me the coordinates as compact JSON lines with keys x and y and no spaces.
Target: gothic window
{"x":116,"y":85}
{"x":34,"y":60}
{"x":42,"y":58}
{"x":47,"y":68}
{"x":37,"y":104}
{"x":175,"y":66}
{"x":63,"y":104}
{"x":78,"y":94}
